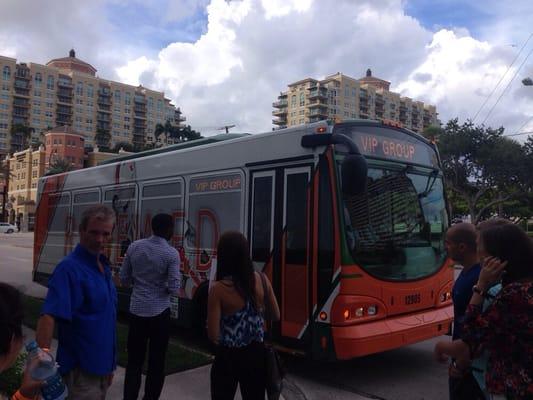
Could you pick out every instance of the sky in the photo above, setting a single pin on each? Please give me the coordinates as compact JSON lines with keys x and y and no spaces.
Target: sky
{"x":225,"y":61}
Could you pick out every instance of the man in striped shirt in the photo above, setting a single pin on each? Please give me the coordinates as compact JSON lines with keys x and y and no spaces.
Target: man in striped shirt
{"x":151,"y":266}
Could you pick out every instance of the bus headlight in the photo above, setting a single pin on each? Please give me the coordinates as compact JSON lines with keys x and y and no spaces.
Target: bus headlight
{"x":355,"y":309}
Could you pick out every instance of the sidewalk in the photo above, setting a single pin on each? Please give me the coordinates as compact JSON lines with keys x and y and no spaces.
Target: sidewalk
{"x":193,"y":384}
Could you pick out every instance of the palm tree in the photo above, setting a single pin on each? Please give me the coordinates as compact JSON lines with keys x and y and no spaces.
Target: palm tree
{"x":20,"y":137}
{"x":102,"y":139}
{"x":58,"y":166}
{"x":122,"y":145}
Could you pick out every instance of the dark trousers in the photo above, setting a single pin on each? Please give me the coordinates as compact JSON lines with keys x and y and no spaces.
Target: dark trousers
{"x":465,"y":388}
{"x":151,"y":332}
{"x":244,"y":366}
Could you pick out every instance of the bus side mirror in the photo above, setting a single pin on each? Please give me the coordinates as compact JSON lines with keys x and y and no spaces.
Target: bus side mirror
{"x":354,"y":172}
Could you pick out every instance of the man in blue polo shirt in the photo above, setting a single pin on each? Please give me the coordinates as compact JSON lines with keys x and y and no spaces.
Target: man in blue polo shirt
{"x":82,"y":301}
{"x":461,"y":247}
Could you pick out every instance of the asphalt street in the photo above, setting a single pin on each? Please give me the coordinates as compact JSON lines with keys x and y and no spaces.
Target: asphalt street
{"x":409,"y":373}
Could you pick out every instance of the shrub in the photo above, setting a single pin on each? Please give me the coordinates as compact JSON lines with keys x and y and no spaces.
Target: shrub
{"x":11,"y":379}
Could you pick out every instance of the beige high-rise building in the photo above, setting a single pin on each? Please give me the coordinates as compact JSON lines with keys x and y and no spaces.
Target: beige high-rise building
{"x":340,"y":97}
{"x":67,"y":91}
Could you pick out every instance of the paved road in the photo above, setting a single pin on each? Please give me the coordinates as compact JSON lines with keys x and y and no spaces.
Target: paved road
{"x":16,"y":254}
{"x":408,"y":373}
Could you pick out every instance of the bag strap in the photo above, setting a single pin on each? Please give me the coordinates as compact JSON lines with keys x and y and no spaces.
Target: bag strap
{"x":267,"y":314}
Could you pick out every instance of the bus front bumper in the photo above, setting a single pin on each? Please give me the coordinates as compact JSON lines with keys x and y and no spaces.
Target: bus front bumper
{"x":390,"y":333}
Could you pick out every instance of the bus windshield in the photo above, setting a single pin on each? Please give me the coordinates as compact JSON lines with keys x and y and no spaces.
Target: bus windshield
{"x":395,"y":230}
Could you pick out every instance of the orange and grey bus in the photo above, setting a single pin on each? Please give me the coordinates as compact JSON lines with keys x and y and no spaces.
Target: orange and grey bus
{"x":347,"y":220}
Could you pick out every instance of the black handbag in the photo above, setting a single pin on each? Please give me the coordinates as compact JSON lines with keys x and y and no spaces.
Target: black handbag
{"x":274,"y":367}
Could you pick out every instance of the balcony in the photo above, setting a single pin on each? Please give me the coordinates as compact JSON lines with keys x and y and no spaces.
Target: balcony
{"x":279,"y":113}
{"x":22,"y":85}
{"x":139,"y":99}
{"x":63,"y":120}
{"x":22,"y":113}
{"x":318,"y":93}
{"x":23,"y":74}
{"x":280,"y":104}
{"x":64,"y":93}
{"x":104,"y":92}
{"x":21,"y":93}
{"x":21,"y":103}
{"x":142,"y":117}
{"x":279,"y":121}
{"x":180,"y":118}
{"x":63,"y":111}
{"x":141,"y":110}
{"x":65,"y":83}
{"x":318,"y":112}
{"x":19,"y":120}
{"x":104,"y":101}
{"x":103,"y":117}
{"x":65,"y":101}
{"x":105,"y":126}
{"x":379,"y":99}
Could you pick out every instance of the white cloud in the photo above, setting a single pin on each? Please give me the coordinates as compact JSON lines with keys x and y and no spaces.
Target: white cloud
{"x":251,"y":49}
{"x":249,"y":53}
{"x":461,"y":72}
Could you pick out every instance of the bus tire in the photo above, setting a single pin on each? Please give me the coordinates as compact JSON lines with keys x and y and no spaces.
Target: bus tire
{"x":200,"y":310}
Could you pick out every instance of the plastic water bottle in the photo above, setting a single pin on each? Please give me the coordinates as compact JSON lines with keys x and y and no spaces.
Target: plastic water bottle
{"x":46,"y":370}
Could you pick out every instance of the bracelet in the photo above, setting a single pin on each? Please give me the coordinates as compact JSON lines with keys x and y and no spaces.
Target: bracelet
{"x":478,"y":290}
{"x":20,"y":396}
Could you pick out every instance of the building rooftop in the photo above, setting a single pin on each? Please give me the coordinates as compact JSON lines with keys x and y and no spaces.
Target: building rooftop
{"x":71,"y":63}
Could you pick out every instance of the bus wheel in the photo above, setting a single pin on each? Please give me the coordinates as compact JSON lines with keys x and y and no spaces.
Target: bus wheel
{"x":200,"y":311}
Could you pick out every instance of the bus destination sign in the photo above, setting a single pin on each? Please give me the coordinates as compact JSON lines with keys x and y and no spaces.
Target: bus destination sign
{"x":391,"y":144}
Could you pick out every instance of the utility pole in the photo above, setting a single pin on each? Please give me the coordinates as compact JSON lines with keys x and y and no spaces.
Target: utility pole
{"x":226,"y":128}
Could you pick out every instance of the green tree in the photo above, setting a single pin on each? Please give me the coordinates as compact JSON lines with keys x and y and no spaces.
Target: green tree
{"x":20,"y":137}
{"x":126,"y":146}
{"x":178,"y":133}
{"x":102,"y":139}
{"x":58,"y":166}
{"x":482,"y":168}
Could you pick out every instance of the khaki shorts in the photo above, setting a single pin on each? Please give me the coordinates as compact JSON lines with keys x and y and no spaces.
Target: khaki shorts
{"x":84,"y":386}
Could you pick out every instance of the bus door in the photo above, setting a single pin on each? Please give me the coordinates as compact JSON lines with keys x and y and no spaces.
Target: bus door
{"x":279,"y":237}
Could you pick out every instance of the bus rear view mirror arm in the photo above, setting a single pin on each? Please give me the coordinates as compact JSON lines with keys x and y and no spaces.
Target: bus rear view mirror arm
{"x":354,"y":167}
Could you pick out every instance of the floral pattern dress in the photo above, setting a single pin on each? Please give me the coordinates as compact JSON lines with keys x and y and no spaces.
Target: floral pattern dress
{"x":505,"y":330}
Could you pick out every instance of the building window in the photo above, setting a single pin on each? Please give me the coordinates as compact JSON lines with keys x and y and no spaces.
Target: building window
{"x":6,"y":73}
{"x":127,"y":98}
{"x":90,"y":90}
{"x":50,"y":82}
{"x":38,"y":79}
{"x":79,"y":88}
{"x":117,"y":96}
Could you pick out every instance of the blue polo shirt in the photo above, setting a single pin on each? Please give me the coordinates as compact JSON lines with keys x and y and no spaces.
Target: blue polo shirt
{"x":83,"y":302}
{"x":461,"y":294}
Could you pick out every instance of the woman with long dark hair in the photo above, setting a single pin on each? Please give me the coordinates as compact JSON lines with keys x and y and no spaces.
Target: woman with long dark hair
{"x":12,"y":340}
{"x":235,"y":321}
{"x":505,"y":328}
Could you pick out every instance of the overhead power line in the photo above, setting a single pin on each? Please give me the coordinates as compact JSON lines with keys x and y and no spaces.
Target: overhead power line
{"x":508,"y":85}
{"x":501,"y":79}
{"x":520,"y":133}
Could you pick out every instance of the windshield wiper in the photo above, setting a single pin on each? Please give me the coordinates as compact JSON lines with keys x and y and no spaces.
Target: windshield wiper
{"x":432,"y":178}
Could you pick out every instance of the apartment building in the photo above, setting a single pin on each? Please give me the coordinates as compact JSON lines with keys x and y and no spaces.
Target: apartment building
{"x":67,"y":92}
{"x":340,"y":97}
{"x":25,"y":167}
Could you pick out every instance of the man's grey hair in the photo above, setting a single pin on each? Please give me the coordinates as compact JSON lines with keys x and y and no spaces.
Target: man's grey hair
{"x":99,"y":212}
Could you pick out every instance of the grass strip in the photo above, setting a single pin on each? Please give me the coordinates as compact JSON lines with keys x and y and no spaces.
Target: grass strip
{"x":179,"y":357}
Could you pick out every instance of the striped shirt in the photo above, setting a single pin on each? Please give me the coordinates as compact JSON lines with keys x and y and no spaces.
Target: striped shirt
{"x":152,"y":266}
